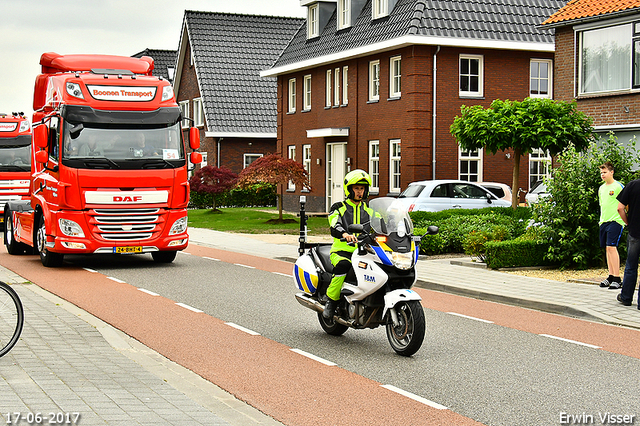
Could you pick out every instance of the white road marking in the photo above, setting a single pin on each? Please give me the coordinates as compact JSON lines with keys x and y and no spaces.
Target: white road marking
{"x":241,"y":328}
{"x":313,"y":357}
{"x":117,"y":280}
{"x":184,"y":252}
{"x":144,"y":290}
{"x":90,"y":270}
{"x":571,"y":341}
{"x":211,"y":258}
{"x":471,"y":318}
{"x":284,"y":275}
{"x":191,"y":308}
{"x":415,"y":397}
{"x":244,"y":266}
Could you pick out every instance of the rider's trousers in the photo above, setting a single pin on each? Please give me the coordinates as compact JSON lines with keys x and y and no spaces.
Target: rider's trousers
{"x":341,"y":266}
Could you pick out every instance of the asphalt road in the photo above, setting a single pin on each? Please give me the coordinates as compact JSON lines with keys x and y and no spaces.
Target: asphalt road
{"x":494,"y":374}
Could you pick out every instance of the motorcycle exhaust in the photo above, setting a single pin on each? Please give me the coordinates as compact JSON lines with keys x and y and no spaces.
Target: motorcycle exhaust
{"x":306,"y":301}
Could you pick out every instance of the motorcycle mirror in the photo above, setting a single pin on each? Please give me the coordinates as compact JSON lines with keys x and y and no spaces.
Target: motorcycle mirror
{"x":432,"y":230}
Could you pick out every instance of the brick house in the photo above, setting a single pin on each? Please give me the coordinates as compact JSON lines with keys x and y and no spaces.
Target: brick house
{"x":375,"y":84}
{"x":218,"y":83}
{"x":164,"y":62}
{"x":597,"y":57}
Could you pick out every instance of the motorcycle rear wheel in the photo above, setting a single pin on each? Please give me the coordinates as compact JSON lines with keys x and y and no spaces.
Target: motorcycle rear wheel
{"x":331,"y":327}
{"x":407,"y":337}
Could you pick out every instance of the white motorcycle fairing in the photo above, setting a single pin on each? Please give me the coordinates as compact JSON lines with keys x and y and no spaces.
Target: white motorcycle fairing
{"x":370,"y":277}
{"x":392,"y":298}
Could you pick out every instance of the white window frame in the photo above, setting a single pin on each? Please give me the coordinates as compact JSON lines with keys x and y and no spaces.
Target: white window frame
{"x":313,"y":21}
{"x":336,"y":87}
{"x":395,"y":157}
{"x":198,"y":112}
{"x":248,"y":156}
{"x":470,"y":157}
{"x":291,"y":95}
{"x":539,"y":165}
{"x":291,"y":155}
{"x":329,"y":90}
{"x":184,"y":107}
{"x":395,"y":77}
{"x":469,"y":75}
{"x":536,"y":78}
{"x":345,"y":85}
{"x":374,"y":166}
{"x":374,"y":80}
{"x":344,"y":14}
{"x":379,"y":9}
{"x":204,"y":161}
{"x":307,"y":93}
{"x":306,"y":159}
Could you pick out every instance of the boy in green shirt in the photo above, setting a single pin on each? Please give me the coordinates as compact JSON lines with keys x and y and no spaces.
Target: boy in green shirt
{"x":611,"y":224}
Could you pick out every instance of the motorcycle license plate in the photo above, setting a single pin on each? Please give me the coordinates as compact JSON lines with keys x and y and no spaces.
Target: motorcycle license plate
{"x":125,"y":250}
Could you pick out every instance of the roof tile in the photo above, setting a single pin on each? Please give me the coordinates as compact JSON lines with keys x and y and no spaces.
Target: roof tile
{"x":581,"y":9}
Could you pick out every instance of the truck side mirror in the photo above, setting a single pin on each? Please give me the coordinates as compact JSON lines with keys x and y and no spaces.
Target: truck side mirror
{"x":42,"y":157}
{"x":41,"y":136}
{"x":194,"y":138}
{"x":195,"y":158}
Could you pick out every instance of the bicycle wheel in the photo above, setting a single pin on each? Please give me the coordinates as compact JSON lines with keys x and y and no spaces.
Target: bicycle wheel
{"x":11,"y":318}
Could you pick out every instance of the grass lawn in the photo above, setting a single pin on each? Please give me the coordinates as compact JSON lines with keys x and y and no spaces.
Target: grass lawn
{"x":254,"y":221}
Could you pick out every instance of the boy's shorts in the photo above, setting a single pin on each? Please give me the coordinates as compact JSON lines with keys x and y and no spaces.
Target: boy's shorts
{"x":610,"y":233}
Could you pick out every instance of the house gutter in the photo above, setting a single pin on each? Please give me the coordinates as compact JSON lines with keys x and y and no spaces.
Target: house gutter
{"x":433,"y":125}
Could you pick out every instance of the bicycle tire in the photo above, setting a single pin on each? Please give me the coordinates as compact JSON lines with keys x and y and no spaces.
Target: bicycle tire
{"x":11,"y":318}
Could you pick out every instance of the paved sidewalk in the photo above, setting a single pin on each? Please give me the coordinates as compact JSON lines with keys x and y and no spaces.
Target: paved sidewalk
{"x":69,"y":363}
{"x":461,"y":277}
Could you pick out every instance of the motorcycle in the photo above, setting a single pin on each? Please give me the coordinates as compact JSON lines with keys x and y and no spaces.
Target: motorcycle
{"x":377,"y":289}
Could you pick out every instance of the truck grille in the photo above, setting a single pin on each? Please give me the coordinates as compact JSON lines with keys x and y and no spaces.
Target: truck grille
{"x":126,"y":224}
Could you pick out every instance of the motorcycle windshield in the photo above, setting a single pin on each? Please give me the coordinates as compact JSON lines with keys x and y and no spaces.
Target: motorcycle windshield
{"x":391,"y":216}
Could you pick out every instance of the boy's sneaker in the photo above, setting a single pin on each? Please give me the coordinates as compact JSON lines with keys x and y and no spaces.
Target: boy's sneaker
{"x":605,"y":283}
{"x":615,"y":285}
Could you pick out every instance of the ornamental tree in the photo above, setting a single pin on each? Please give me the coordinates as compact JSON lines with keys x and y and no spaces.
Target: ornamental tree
{"x":274,"y":169}
{"x":522,"y":127}
{"x":212,"y":182}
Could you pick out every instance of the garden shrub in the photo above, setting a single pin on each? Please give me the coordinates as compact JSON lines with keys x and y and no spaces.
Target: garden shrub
{"x":519,"y":252}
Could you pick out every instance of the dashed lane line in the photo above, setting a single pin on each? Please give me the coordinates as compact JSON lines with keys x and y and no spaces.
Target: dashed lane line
{"x":313,"y":357}
{"x":415,"y":397}
{"x":144,"y":290}
{"x":571,"y":341}
{"x":191,"y":308}
{"x":241,"y":328}
{"x":471,"y":318}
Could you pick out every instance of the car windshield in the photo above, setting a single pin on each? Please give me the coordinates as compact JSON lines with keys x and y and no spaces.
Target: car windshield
{"x":160,"y":142}
{"x":390,"y":215}
{"x":411,"y":191}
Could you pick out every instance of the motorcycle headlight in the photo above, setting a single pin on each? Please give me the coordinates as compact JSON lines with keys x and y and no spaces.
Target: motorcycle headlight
{"x":70,"y":228}
{"x":179,"y":226}
{"x":402,"y":260}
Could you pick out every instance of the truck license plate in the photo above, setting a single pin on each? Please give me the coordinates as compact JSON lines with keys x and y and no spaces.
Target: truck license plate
{"x":135,"y":249}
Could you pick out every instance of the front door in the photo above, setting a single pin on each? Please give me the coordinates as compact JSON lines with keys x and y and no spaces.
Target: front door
{"x":336,"y":170}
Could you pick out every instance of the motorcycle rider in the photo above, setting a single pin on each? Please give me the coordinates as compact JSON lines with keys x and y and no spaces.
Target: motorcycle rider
{"x":353,"y":210}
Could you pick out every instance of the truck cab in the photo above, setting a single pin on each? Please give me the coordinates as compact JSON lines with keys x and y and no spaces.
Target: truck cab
{"x":15,"y":158}
{"x":109,"y":165}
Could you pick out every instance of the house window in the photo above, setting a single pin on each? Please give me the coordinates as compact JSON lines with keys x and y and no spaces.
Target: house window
{"x":184,"y":108}
{"x":395,"y":86}
{"x":306,"y":159}
{"x":336,"y":87}
{"x":374,"y":80}
{"x":250,"y":158}
{"x":345,"y":85}
{"x":292,"y":95}
{"x":204,"y":161}
{"x":380,"y":8}
{"x":540,"y":82}
{"x":394,"y":165}
{"x":471,"y":68}
{"x":198,"y":113}
{"x":307,"y":92}
{"x":539,"y":165}
{"x":291,"y":155}
{"x":344,"y":14}
{"x":606,"y":59}
{"x":374,"y":166}
{"x":313,"y":24}
{"x":329,"y":92}
{"x":470,"y":165}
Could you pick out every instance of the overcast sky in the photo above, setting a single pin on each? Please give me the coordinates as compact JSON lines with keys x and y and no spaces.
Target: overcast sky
{"x":28,"y":28}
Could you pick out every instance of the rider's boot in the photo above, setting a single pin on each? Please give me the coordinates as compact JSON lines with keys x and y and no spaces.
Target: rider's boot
{"x":330,"y":309}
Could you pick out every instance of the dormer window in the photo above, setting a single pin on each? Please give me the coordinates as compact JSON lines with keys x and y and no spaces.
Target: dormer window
{"x":344,"y":14}
{"x":380,"y":9}
{"x":313,"y":23}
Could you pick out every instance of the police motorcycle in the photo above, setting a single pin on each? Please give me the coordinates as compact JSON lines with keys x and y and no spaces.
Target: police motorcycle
{"x":377,"y":289}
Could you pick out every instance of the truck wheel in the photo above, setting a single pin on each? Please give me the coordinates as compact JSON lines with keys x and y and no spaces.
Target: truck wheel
{"x":48,"y":259}
{"x":13,"y":247}
{"x":163,"y":256}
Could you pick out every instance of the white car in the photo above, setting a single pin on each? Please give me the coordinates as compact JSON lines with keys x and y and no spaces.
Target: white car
{"x":500,"y":190}
{"x":437,"y":195}
{"x":537,"y":191}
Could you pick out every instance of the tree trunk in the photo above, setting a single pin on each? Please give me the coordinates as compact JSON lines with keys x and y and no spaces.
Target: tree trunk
{"x":515,"y":193}
{"x":280,"y":205}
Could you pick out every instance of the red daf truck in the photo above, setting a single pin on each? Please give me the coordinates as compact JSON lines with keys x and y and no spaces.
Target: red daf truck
{"x":15,"y":158}
{"x":109,"y":169}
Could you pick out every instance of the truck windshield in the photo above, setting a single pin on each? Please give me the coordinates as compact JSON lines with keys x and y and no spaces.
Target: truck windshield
{"x":15,"y":154}
{"x":86,"y":145}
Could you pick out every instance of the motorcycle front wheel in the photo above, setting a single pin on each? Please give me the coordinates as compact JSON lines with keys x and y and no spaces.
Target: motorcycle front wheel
{"x":406,"y":338}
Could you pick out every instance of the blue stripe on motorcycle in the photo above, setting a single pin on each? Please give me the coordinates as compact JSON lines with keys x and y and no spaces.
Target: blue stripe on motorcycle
{"x":382,"y":255}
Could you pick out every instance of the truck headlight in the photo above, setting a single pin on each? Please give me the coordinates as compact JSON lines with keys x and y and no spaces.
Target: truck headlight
{"x":74,"y":90}
{"x":179,"y":226}
{"x":70,"y":228}
{"x":167,"y":93}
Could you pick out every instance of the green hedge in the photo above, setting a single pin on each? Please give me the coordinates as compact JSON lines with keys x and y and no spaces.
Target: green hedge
{"x":258,"y":195}
{"x":516,"y":253}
